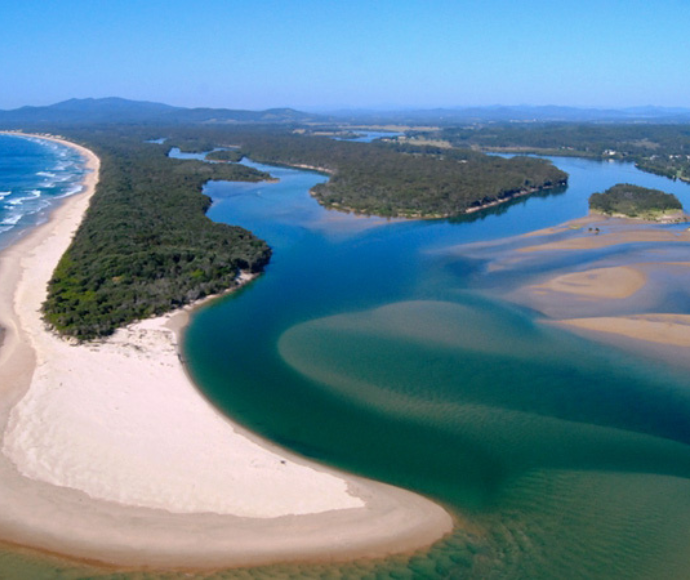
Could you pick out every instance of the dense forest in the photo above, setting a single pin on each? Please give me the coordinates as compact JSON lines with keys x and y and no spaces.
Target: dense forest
{"x":393,"y":180}
{"x":634,"y":201}
{"x":145,"y":245}
{"x":660,"y":149}
{"x":229,"y":155}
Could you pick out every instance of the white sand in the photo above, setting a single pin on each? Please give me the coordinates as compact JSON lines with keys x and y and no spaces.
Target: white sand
{"x":125,"y":426}
{"x":113,"y":455}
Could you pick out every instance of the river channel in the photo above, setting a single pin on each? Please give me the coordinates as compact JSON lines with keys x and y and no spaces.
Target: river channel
{"x":385,"y":348}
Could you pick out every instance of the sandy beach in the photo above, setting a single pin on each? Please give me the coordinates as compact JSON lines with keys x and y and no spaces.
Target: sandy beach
{"x":109,"y":452}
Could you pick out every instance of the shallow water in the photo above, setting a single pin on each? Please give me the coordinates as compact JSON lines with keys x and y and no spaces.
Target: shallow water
{"x":387,"y":348}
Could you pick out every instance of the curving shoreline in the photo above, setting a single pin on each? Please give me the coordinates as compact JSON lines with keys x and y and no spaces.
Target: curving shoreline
{"x":107,"y":459}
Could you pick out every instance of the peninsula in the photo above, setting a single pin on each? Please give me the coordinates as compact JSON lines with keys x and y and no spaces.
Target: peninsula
{"x":110,"y":454}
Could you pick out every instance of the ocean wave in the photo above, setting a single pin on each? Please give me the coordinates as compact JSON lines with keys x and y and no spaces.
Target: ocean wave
{"x":76,"y":189}
{"x":12,"y":219}
{"x":33,"y":194}
{"x":26,"y":201}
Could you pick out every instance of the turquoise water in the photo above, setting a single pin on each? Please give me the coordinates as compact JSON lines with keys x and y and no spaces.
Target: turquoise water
{"x":385,"y":349}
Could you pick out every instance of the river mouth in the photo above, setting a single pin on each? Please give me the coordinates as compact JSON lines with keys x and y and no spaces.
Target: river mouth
{"x":379,"y":348}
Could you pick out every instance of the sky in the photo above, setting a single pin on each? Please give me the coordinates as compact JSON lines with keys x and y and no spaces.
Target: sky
{"x":321,"y":55}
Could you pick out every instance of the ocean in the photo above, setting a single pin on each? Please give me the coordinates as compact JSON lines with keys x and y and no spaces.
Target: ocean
{"x":34,"y":175}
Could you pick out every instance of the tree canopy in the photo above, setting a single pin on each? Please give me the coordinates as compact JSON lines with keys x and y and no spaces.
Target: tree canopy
{"x":145,"y":245}
{"x":633,"y":201}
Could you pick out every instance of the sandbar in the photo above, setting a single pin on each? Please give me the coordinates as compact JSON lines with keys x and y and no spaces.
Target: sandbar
{"x":668,"y":329}
{"x":590,"y":241}
{"x":612,"y":282}
{"x":111,"y":454}
{"x":619,"y":304}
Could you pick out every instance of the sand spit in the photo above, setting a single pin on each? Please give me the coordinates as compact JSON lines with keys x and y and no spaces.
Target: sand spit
{"x":110,"y":453}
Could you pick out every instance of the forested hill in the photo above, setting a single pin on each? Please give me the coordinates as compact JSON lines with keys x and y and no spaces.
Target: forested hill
{"x":625,"y":199}
{"x":403,"y":181}
{"x":117,"y":111}
{"x":145,"y":246}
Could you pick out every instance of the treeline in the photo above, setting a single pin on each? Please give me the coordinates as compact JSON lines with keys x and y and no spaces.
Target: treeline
{"x":404,"y":181}
{"x":633,"y":201}
{"x":228,"y":155}
{"x":145,"y":246}
{"x":660,"y":149}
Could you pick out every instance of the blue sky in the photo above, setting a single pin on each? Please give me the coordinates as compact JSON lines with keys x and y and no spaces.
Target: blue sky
{"x":357,"y":54}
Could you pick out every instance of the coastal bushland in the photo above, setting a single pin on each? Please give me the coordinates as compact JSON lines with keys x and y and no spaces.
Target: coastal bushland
{"x":145,"y":246}
{"x":394,"y":180}
{"x":633,"y":201}
{"x":662,"y":149}
{"x":387,"y":179}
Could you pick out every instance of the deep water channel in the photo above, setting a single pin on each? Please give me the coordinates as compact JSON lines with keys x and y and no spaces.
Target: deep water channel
{"x":378,"y":347}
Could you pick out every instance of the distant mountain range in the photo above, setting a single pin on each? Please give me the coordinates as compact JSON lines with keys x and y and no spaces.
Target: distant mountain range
{"x":122,"y":111}
{"x":517,"y":114}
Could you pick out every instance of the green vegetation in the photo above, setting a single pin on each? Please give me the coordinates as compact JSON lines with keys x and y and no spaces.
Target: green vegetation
{"x":228,"y":155}
{"x":402,"y":180}
{"x":145,"y":246}
{"x":634,"y":201}
{"x":660,"y":149}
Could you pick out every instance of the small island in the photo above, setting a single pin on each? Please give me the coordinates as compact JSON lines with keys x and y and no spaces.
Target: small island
{"x":633,"y":201}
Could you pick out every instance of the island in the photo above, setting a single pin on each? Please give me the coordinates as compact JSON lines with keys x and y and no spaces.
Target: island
{"x":634,"y":201}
